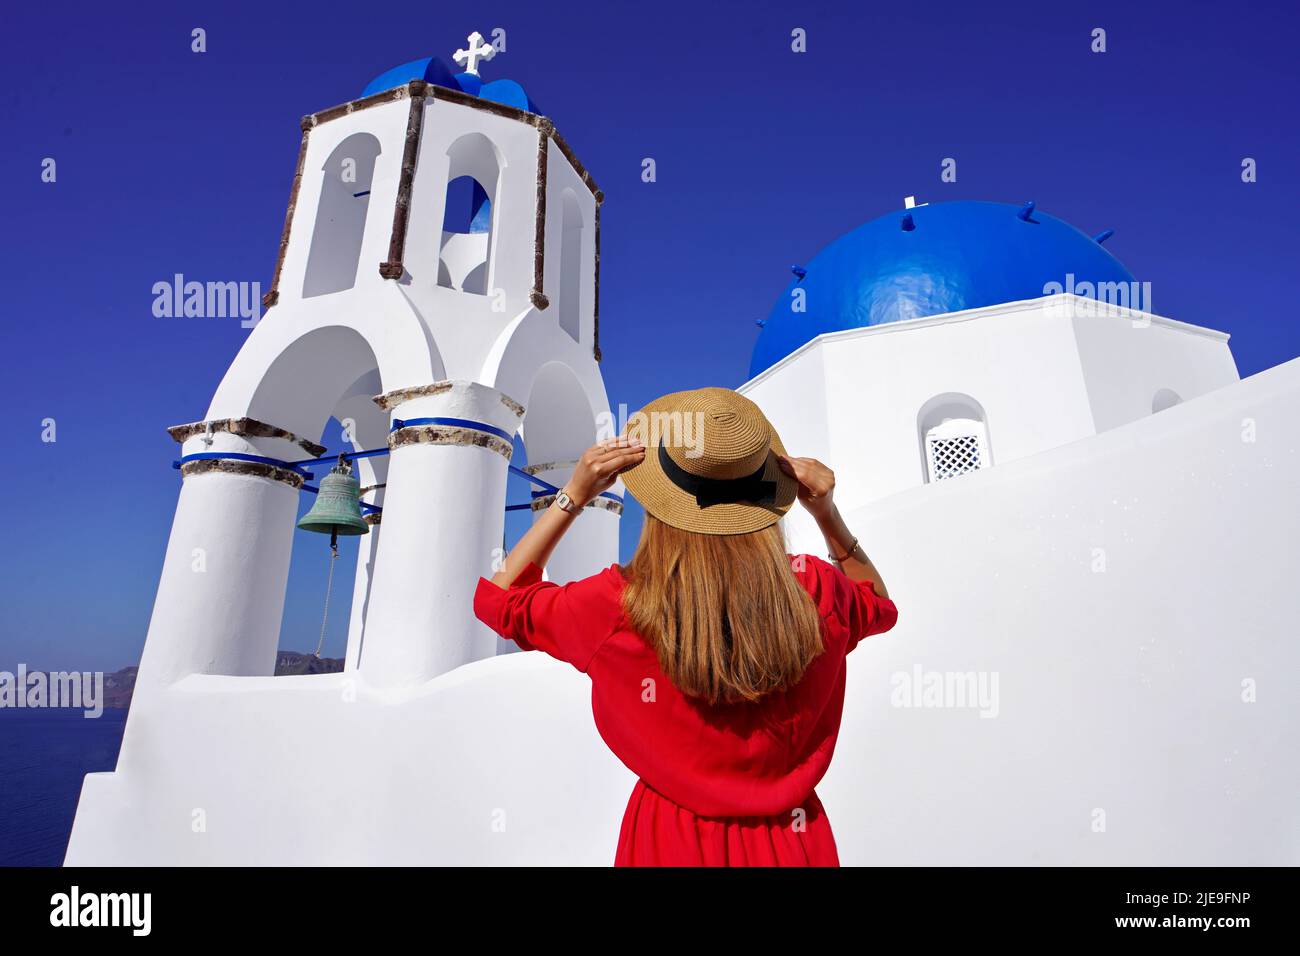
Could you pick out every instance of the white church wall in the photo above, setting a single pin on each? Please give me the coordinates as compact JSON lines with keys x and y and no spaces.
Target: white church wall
{"x":1017,"y":361}
{"x":1121,"y":733}
{"x":1017,"y":364}
{"x":795,"y":402}
{"x":1130,"y":594}
{"x":1045,"y":372}
{"x":1128,"y":357}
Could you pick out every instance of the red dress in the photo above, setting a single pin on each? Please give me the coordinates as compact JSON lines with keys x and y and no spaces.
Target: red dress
{"x":725,"y":785}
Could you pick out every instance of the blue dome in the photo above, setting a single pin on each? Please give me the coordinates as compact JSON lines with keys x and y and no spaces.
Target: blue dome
{"x":433,"y":70}
{"x":929,"y":260}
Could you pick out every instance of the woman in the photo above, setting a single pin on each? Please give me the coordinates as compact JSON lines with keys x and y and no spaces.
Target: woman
{"x":716,"y":659}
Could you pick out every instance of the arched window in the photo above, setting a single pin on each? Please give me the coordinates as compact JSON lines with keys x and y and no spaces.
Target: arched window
{"x":954,"y":436}
{"x":469,"y":216}
{"x":570,"y":265}
{"x":1165,"y":398}
{"x":341,"y":216}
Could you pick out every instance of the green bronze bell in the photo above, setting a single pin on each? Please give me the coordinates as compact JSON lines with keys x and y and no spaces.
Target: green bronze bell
{"x":337,"y":509}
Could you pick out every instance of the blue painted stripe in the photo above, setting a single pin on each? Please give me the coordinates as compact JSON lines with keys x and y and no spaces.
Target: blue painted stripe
{"x":546,"y":486}
{"x":298,"y":466}
{"x":550,"y":489}
{"x":238,"y":456}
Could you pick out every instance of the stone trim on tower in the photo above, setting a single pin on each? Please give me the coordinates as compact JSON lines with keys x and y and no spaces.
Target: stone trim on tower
{"x":398,"y":396}
{"x":356,"y":106}
{"x":542,"y":502}
{"x":390,"y":400}
{"x":572,"y":157}
{"x":595,"y":297}
{"x":538,"y":297}
{"x":434,"y":92}
{"x":448,"y":435}
{"x":244,"y":428}
{"x":233,"y":466}
{"x":550,"y":466}
{"x":273,"y":296}
{"x":392,"y":268}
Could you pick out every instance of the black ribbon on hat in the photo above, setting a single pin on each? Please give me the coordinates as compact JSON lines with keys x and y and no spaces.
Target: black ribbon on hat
{"x":719,"y":491}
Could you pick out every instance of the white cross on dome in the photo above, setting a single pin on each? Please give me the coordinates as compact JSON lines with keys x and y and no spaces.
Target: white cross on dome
{"x":469,"y":59}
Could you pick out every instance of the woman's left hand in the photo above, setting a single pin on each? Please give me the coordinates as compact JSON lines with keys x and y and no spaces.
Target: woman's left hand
{"x":816,"y":483}
{"x":600,"y":465}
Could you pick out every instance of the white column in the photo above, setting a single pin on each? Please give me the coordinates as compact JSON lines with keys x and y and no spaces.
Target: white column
{"x":221,"y":596}
{"x":444,"y":514}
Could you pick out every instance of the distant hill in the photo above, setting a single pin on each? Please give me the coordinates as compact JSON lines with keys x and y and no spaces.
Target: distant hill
{"x":119,"y":685}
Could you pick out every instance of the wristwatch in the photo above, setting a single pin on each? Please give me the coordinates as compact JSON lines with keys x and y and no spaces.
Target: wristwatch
{"x":565,"y":503}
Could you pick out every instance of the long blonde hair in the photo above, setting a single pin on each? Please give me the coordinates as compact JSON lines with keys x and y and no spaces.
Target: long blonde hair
{"x":725,"y":614}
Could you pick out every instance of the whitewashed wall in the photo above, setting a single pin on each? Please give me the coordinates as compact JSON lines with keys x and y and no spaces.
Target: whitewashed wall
{"x":1118,"y":690}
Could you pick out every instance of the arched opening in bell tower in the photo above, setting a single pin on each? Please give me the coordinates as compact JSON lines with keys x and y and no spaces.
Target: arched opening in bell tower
{"x":341,"y":212}
{"x":465,"y":249}
{"x":322,"y":386}
{"x":570,"y":305}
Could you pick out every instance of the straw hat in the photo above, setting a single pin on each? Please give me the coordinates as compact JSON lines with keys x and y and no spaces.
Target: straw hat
{"x":710,"y":464}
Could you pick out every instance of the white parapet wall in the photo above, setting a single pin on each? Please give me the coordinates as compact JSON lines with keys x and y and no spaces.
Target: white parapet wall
{"x":1132,"y":593}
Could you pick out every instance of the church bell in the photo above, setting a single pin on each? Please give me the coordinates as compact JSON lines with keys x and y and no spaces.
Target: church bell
{"x":337,"y":509}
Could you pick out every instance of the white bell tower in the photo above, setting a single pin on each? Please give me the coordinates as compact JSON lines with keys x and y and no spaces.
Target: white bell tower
{"x":436,"y":292}
{"x":436,"y":287}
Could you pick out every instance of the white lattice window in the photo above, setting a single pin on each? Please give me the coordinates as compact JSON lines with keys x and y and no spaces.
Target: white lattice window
{"x":955,"y":447}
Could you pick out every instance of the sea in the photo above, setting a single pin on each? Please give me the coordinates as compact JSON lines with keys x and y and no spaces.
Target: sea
{"x":44,"y":755}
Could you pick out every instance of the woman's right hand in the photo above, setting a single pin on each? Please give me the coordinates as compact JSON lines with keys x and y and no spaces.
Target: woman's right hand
{"x":600,"y":465}
{"x":816,"y":483}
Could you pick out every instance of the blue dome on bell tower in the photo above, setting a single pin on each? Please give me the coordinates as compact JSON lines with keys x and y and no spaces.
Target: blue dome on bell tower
{"x":433,"y":70}
{"x":929,"y":260}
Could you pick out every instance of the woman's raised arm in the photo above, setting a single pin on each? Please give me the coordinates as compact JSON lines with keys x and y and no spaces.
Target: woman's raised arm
{"x":816,"y":487}
{"x":596,"y":470}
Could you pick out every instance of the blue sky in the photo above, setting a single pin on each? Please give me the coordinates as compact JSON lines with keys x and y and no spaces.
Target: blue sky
{"x":171,"y":161}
